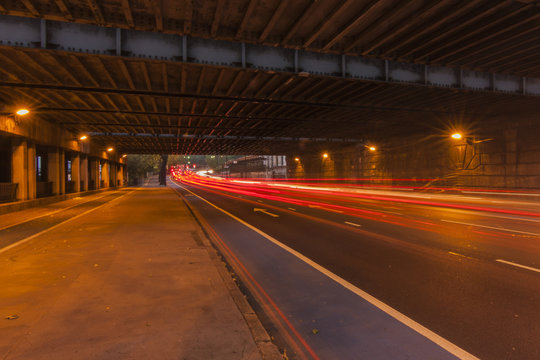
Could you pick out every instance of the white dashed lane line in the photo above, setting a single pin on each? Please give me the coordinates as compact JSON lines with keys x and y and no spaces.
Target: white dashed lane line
{"x":492,"y":227}
{"x":518,"y":265}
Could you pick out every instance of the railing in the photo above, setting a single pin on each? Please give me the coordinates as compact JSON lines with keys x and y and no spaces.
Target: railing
{"x":8,"y":192}
{"x":44,"y":188}
{"x":70,"y":187}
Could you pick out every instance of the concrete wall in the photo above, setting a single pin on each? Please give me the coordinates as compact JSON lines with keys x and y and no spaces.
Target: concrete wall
{"x":505,"y":157}
{"x":20,"y":138}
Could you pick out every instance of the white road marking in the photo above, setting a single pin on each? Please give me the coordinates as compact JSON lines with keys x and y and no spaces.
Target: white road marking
{"x":353,"y":224}
{"x":51,"y":213}
{"x":511,"y":217}
{"x":422,"y":330}
{"x":390,"y":212}
{"x":456,"y":254}
{"x":492,"y":227}
{"x":324,"y":208}
{"x":264,"y":211}
{"x":57,"y":225}
{"x":518,"y":265}
{"x":500,"y":193}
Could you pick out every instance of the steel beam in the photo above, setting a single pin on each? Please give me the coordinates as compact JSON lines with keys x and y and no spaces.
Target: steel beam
{"x":128,"y":43}
{"x":223,"y":137}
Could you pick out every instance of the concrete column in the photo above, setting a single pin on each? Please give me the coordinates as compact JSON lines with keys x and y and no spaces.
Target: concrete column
{"x":84,"y":172}
{"x":112,"y":173}
{"x":76,"y":171}
{"x":62,"y":171}
{"x":96,"y":176}
{"x":93,"y":173}
{"x":19,"y":167}
{"x":121,"y":174}
{"x":31,"y":171}
{"x":105,"y":173}
{"x":54,"y":170}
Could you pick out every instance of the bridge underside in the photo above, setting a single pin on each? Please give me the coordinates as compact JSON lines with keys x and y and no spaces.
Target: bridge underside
{"x":156,"y":106}
{"x":267,"y":76}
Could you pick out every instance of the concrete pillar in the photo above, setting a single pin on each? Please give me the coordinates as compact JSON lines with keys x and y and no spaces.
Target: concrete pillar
{"x":62,"y":171}
{"x":76,"y":171}
{"x":53,"y":166}
{"x":31,"y":171}
{"x":93,"y":173}
{"x":84,"y":172}
{"x":112,"y":173}
{"x":105,"y":168}
{"x":19,"y":167}
{"x":121,"y":174}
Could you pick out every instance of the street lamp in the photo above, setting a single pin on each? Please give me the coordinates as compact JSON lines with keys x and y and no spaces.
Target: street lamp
{"x":372,"y":148}
{"x":296,"y":159}
{"x":22,"y":112}
{"x":457,"y":136}
{"x":83,"y":137}
{"x":110,"y":149}
{"x":325,"y":155}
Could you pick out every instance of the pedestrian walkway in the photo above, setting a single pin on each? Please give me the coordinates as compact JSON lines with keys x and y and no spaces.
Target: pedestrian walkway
{"x":133,"y":279}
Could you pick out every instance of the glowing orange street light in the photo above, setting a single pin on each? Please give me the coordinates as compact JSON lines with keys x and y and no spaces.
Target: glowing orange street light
{"x":456,"y":136}
{"x":124,"y":155}
{"x":325,"y":155}
{"x":372,"y":148}
{"x":296,"y":159}
{"x":22,"y":112}
{"x":84,"y":137}
{"x":110,"y":149}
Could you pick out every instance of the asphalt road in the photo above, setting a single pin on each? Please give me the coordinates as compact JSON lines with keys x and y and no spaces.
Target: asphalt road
{"x":465,"y":267}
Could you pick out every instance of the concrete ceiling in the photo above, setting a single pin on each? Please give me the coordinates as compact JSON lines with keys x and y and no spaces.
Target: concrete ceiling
{"x":157,"y":105}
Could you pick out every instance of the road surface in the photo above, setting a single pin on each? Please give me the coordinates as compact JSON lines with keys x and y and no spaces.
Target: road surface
{"x":348,"y":273}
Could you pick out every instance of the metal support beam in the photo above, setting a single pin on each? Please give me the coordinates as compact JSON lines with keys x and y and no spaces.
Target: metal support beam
{"x":224,"y":137}
{"x":243,"y":54}
{"x":118,"y":42}
{"x":184,"y":48}
{"x":99,"y":40}
{"x":43,"y":33}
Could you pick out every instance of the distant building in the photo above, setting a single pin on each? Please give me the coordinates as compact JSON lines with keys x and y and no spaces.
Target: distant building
{"x":258,"y":167}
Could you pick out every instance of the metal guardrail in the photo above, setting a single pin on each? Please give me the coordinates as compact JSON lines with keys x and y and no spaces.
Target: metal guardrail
{"x":70,"y":187}
{"x":44,"y":188}
{"x":8,"y":192}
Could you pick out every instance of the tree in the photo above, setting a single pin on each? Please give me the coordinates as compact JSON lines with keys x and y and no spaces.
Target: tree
{"x":138,"y":166}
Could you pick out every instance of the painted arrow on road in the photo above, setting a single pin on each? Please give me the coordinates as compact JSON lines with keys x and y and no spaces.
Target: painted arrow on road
{"x":265,"y":212}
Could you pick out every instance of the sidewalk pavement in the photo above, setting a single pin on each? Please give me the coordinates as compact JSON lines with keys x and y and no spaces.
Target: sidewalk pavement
{"x":134,"y":279}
